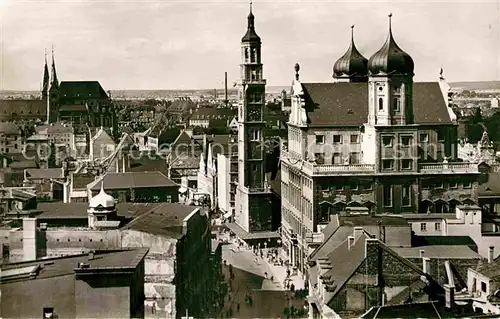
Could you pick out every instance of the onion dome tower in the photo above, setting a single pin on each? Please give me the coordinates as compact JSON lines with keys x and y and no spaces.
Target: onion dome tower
{"x":102,"y":207}
{"x":390,"y":78}
{"x":352,"y":66}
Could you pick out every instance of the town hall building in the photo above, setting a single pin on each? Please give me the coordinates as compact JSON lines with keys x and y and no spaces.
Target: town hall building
{"x":372,"y":141}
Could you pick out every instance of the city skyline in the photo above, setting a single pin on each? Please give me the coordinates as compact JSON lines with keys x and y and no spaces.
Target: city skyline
{"x":189,"y":45}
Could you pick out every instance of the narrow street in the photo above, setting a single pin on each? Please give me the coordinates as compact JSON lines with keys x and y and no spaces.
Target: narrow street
{"x":269,"y":299}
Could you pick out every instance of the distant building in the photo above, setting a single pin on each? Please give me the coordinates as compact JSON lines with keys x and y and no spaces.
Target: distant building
{"x":102,"y":145}
{"x":212,"y":117}
{"x":47,"y":182}
{"x":137,"y":187}
{"x":59,"y":134}
{"x":100,"y":284}
{"x":81,"y":103}
{"x":11,"y":139}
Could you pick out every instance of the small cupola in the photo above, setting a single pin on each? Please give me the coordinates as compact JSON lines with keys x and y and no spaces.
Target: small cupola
{"x":102,"y":200}
{"x":352,"y":64}
{"x":390,"y":59}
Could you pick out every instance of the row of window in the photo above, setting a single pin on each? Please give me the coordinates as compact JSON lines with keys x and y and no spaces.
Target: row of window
{"x":354,"y":158}
{"x":406,"y":164}
{"x":406,"y":141}
{"x":352,"y":186}
{"x":423,"y":227}
{"x":440,"y":185}
{"x":338,"y":139}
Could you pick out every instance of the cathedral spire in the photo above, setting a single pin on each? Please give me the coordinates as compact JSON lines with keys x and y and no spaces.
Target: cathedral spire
{"x":46,"y":77}
{"x":54,"y":83}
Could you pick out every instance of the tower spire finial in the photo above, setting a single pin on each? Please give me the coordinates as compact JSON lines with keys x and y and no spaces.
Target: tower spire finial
{"x":352,"y":33}
{"x":251,"y":6}
{"x":102,"y":185}
{"x":390,"y":22}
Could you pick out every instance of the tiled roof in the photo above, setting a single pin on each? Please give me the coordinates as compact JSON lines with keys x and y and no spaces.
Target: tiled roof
{"x":212,"y":113}
{"x":148,"y":163}
{"x":412,"y":310}
{"x":82,"y":90}
{"x":436,"y":251}
{"x":181,"y":105}
{"x":44,"y":173}
{"x":60,"y":266}
{"x":491,"y":187}
{"x":165,"y":220}
{"x":133,"y":180}
{"x":490,"y":270}
{"x":372,"y":220}
{"x":24,"y":164}
{"x":54,"y":128}
{"x":80,"y":181}
{"x":331,"y":242}
{"x":347,"y":104}
{"x":345,"y":262}
{"x":186,"y":161}
{"x":9,"y":128}
{"x":72,"y":108}
{"x":60,"y":210}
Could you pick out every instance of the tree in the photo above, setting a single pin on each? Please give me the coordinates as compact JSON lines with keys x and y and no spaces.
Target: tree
{"x":477,"y":117}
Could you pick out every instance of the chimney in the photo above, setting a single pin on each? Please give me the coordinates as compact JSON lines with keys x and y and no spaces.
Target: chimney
{"x":422,"y":252}
{"x":491,"y":254}
{"x":358,"y":231}
{"x":91,"y":255}
{"x":426,"y":265}
{"x":449,"y":296}
{"x":350,"y":242}
{"x":225,"y":89}
{"x":29,"y":239}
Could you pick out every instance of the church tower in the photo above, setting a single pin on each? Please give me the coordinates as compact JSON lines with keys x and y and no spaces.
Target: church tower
{"x":390,"y":85}
{"x":53,"y":100}
{"x":252,"y":206}
{"x":46,"y":79}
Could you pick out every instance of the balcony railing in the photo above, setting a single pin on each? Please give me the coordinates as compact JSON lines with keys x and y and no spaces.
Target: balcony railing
{"x":439,"y":168}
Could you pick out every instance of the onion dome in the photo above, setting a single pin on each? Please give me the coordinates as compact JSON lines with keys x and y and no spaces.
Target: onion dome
{"x":352,"y":62}
{"x":251,"y":35}
{"x":391,"y":58}
{"x":102,"y":200}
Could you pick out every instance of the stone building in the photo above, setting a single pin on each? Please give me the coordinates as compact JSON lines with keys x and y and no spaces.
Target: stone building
{"x":372,"y":142}
{"x":180,"y":268}
{"x":101,"y":284}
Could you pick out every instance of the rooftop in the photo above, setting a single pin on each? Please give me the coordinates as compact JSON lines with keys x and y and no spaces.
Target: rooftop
{"x":367,"y":220}
{"x":44,"y":173}
{"x":61,"y":266}
{"x":60,"y":210}
{"x":132,"y":180}
{"x":332,"y":104}
{"x":438,"y":251}
{"x":490,"y":270}
{"x":165,"y":219}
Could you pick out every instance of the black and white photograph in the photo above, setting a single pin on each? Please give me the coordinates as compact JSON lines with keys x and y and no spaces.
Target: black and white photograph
{"x":249,"y":159}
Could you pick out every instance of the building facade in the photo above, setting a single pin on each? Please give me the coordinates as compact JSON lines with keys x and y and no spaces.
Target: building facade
{"x":253,"y":208}
{"x":373,"y":141}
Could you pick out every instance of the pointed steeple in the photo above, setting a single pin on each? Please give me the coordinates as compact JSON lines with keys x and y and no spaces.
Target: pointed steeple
{"x":251,"y":35}
{"x":54,"y":83}
{"x":46,"y":76}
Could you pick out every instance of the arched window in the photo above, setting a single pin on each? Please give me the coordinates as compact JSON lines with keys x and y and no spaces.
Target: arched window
{"x":380,"y":104}
{"x":397,"y":104}
{"x":246,"y":54}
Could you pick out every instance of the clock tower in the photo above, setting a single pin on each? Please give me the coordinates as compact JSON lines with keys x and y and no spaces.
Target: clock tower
{"x":253,"y":208}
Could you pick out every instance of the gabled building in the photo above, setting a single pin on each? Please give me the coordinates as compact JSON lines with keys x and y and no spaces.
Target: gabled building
{"x":211,"y":117}
{"x":362,"y":272}
{"x":11,"y":138}
{"x":373,"y":140}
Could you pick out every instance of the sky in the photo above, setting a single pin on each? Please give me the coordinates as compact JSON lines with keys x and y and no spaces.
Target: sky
{"x":177,"y":44}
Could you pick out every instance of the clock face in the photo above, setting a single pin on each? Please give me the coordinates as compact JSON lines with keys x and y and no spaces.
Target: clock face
{"x":254,"y":113}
